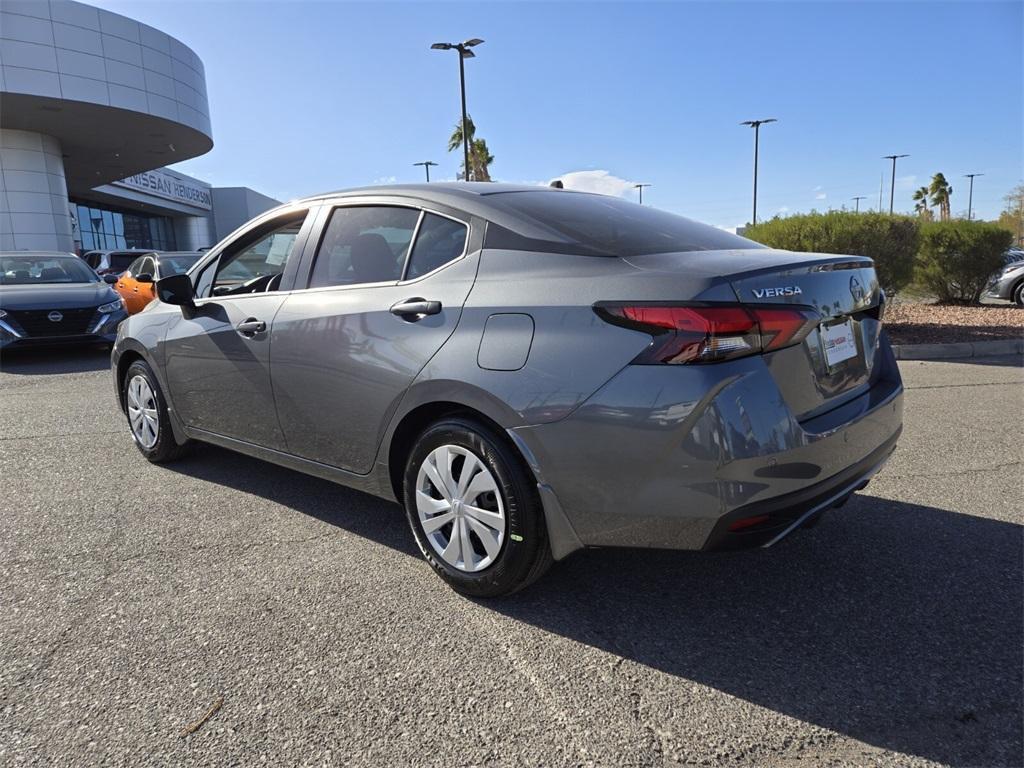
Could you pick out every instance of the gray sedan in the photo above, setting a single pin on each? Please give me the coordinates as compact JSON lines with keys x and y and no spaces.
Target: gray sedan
{"x":1008,"y":283}
{"x":529,"y":371}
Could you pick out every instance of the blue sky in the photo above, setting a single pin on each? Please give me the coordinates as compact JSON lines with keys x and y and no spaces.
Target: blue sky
{"x":308,"y":97}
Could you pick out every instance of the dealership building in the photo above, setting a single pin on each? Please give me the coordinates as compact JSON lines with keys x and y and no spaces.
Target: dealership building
{"x":93,"y":105}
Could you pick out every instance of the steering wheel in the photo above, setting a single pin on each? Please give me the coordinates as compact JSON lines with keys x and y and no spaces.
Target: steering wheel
{"x":252,"y":285}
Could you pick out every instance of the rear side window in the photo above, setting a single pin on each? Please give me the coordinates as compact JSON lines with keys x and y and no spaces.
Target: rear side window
{"x":609,"y":226}
{"x":438,"y":242}
{"x":364,"y":244}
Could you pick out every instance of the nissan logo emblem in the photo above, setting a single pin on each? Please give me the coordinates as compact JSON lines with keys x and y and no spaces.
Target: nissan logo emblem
{"x":55,"y":316}
{"x":856,"y":289}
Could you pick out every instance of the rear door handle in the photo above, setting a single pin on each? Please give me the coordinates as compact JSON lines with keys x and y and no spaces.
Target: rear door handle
{"x":411,"y":308}
{"x":251,"y":327}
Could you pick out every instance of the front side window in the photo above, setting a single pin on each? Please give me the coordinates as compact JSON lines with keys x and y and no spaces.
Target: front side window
{"x":146,"y":267}
{"x":255,"y":263}
{"x":364,"y":244}
{"x":136,"y":266}
{"x":438,"y":242}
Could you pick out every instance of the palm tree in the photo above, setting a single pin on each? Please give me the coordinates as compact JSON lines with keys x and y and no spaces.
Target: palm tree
{"x":921,"y":204}
{"x":479,"y":156}
{"x":941,"y":193}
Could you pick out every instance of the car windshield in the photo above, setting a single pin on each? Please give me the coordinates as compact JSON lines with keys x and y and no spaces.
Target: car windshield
{"x":178,"y":263}
{"x":1014,"y":255}
{"x":617,"y":227}
{"x":44,"y":270}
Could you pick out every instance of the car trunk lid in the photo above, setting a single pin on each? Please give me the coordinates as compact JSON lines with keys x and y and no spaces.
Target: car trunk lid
{"x":836,"y":361}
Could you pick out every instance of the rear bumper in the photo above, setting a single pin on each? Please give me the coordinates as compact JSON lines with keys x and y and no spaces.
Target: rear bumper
{"x":667,"y":457}
{"x":784,"y":514}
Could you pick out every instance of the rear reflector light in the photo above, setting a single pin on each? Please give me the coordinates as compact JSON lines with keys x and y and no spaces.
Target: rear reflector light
{"x":747,"y":522}
{"x":712,"y":333}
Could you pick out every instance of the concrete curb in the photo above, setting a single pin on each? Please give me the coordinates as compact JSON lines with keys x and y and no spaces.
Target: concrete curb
{"x":959,"y":350}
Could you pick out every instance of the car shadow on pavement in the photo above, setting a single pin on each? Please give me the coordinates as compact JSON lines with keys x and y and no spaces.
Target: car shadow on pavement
{"x":54,"y":360}
{"x":896,"y":624}
{"x":356,"y":512}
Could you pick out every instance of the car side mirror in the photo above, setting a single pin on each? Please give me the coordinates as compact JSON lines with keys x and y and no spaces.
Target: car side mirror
{"x":109,"y":279}
{"x":175,"y":289}
{"x":144,"y":277}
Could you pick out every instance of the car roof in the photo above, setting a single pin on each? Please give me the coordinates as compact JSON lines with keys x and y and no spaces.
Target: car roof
{"x":441,"y":191}
{"x":473,"y":197}
{"x":40,"y":254}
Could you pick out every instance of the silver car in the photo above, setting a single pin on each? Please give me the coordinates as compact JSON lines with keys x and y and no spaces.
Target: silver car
{"x":1008,"y":283}
{"x":529,"y":371}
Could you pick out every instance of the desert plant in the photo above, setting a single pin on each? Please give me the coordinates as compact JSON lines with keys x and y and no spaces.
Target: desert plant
{"x":956,"y":258}
{"x":890,"y":240}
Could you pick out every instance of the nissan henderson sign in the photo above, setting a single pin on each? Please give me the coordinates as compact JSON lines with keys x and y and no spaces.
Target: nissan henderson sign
{"x":163,"y":184}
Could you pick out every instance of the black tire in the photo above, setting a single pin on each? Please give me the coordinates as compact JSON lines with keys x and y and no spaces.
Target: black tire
{"x":165,"y":448}
{"x":525,"y":553}
{"x":1018,"y":294}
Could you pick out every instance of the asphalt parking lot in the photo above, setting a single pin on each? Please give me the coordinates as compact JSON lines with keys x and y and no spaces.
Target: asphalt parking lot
{"x":136,"y":597}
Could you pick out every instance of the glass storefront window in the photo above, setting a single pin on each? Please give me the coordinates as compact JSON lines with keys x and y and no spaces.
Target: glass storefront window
{"x":102,"y":228}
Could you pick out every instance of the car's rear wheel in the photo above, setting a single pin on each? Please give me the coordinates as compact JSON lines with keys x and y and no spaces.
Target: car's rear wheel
{"x":474,"y":510}
{"x":148,"y":419}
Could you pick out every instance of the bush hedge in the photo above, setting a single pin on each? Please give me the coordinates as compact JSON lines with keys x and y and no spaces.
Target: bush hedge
{"x":892,"y":241}
{"x":957,"y":257}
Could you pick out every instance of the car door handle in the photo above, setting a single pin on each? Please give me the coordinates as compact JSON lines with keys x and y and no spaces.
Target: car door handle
{"x":251,"y":327}
{"x":416,"y":307}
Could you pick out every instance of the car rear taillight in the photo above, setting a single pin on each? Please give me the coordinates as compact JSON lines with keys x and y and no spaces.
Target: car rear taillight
{"x":711,"y":333}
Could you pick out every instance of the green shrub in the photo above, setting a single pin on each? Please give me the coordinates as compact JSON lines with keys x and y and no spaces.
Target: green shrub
{"x":890,"y":240}
{"x":957,"y":257}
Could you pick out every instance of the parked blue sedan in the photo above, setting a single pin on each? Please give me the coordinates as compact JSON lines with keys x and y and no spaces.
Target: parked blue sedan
{"x":55,"y":298}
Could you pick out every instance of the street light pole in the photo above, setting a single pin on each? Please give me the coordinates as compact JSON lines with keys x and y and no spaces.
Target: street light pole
{"x":640,"y":187}
{"x":892,"y":189}
{"x":970,"y":195}
{"x":426,"y":166}
{"x":464,"y":53}
{"x":756,"y":125}
{"x":856,"y":201}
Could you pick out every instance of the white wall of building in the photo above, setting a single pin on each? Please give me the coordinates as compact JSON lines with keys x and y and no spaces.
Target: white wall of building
{"x":34,"y":211}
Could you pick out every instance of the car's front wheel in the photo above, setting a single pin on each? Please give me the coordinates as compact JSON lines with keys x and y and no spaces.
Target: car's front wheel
{"x":1018,"y":294}
{"x":148,"y":420}
{"x":474,"y":509}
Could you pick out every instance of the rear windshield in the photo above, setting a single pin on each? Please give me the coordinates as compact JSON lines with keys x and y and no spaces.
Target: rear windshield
{"x":43,"y":270}
{"x":616,"y":227}
{"x":121,"y":261}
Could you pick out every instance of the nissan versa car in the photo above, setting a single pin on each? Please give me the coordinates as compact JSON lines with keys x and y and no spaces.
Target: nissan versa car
{"x":529,"y":371}
{"x":54,"y":298}
{"x":137,"y":284}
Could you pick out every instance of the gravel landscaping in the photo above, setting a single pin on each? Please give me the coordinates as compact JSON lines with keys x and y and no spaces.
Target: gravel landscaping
{"x":912,"y":323}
